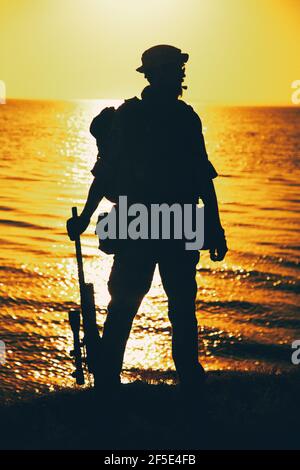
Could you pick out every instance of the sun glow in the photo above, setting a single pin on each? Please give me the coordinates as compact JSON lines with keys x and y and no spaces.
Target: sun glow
{"x":240,"y":52}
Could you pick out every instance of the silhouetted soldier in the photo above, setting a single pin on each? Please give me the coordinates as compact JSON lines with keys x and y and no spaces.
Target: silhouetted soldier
{"x":156,"y":154}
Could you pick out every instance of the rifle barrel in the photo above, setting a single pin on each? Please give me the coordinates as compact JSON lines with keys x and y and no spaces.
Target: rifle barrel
{"x":79,"y":255}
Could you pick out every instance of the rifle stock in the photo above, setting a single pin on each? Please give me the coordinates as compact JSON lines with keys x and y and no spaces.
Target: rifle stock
{"x":74,"y":320}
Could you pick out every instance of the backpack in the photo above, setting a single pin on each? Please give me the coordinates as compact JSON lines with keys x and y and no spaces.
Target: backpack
{"x":104,"y":128}
{"x":100,"y":128}
{"x":152,"y":165}
{"x":131,"y":171}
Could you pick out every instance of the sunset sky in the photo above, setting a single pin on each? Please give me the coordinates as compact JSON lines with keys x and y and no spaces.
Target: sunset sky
{"x":241,"y":51}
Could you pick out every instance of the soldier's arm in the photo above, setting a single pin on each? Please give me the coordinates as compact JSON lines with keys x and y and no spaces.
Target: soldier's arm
{"x":77,"y":226}
{"x":95,"y":195}
{"x":209,"y":198}
{"x":213,"y":224}
{"x":104,"y":172}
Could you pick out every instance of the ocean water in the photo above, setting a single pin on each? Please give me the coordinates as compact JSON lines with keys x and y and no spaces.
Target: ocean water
{"x":247,"y":305}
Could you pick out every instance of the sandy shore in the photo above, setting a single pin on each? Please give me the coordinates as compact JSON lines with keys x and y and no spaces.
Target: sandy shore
{"x":247,"y":411}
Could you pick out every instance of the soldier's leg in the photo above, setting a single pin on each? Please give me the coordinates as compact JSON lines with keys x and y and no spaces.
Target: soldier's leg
{"x":129,"y":281}
{"x":178,"y":271}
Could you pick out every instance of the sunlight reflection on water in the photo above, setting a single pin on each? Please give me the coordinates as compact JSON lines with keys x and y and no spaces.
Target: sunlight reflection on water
{"x":247,"y":305}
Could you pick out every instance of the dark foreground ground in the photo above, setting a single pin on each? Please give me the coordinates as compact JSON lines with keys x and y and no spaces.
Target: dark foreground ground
{"x":247,"y":411}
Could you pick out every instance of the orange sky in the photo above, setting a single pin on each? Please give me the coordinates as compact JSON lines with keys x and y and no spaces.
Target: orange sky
{"x":241,"y":51}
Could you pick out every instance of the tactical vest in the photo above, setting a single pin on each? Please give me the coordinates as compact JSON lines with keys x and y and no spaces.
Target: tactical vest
{"x":151,"y":152}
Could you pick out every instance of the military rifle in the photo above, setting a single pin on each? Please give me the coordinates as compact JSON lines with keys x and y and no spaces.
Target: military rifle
{"x":86,"y":317}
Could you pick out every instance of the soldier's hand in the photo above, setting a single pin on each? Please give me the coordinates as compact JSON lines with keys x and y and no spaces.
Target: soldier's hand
{"x":218,"y":252}
{"x":76,"y":226}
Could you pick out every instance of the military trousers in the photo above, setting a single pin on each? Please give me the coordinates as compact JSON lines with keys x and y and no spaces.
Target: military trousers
{"x":130,"y":279}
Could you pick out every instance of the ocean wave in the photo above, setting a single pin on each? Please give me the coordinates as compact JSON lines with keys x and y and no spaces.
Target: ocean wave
{"x":254,"y":350}
{"x":19,"y":271}
{"x":20,"y":178}
{"x":279,"y":259}
{"x":235,"y":306}
{"x":261,"y":226}
{"x":20,"y":223}
{"x":261,"y":279}
{"x":266,"y":315}
{"x":37,"y":304}
{"x":214,"y":342}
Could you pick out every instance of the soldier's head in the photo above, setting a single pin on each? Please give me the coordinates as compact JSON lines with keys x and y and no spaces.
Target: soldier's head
{"x":164,"y":68}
